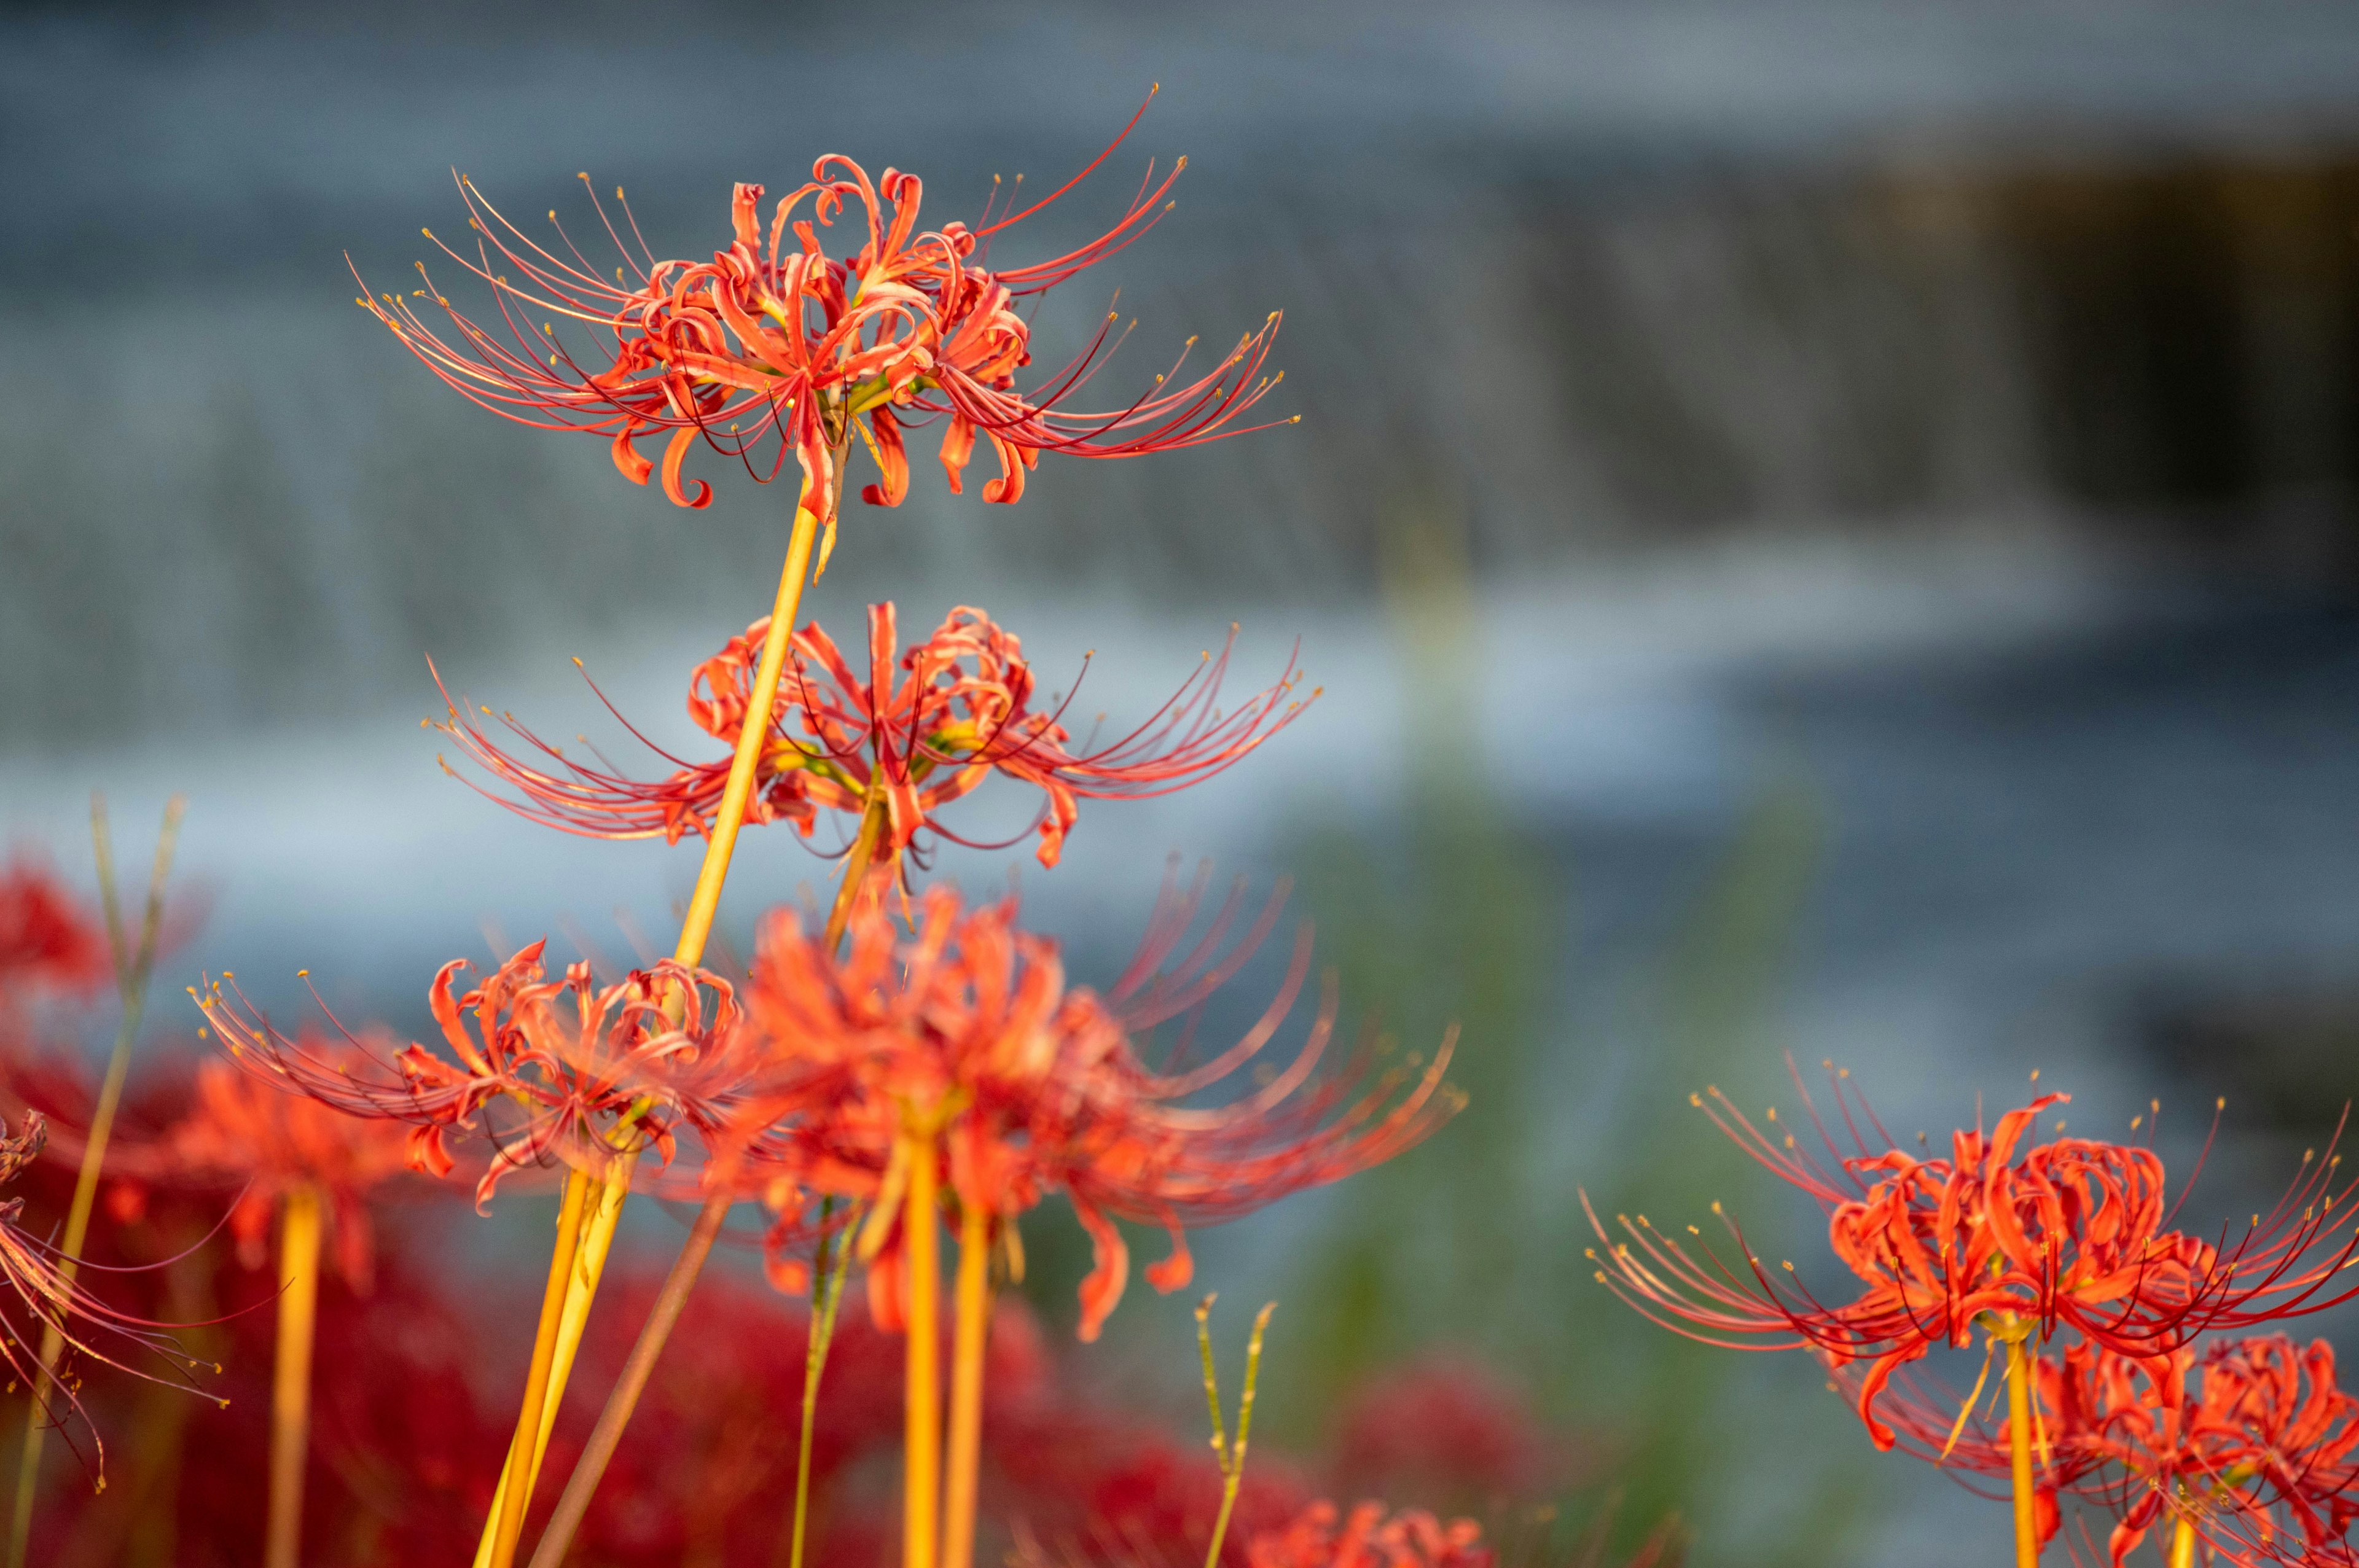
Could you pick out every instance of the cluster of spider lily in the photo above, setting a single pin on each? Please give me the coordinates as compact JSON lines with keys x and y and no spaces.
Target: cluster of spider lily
{"x":910,"y":1064}
{"x":404,"y":1453}
{"x":2134,"y":1378}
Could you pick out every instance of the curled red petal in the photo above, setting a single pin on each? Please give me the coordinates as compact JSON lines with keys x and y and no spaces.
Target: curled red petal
{"x":676,"y":453}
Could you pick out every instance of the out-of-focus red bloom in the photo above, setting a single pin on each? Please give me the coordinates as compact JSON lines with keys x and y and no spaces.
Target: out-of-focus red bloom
{"x":566,"y":1070}
{"x":267,"y":1138}
{"x":1086,"y":1487}
{"x":2073,"y":1233}
{"x":46,"y":939}
{"x":967,"y":1034}
{"x":1371,"y":1537}
{"x":769,"y":341}
{"x":2251,"y":1444}
{"x":706,"y":1472}
{"x":900,"y":747}
{"x":1448,"y":1431}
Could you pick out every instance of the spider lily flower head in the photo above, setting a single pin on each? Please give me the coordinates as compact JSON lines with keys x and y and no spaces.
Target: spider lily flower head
{"x":966,"y":1046}
{"x":564,"y":1070}
{"x":30,"y":1277}
{"x":2250,"y":1442}
{"x":2014,"y":1240}
{"x":775,"y":346}
{"x":267,"y":1139}
{"x":46,"y":939}
{"x":1371,"y":1536}
{"x":892,"y":742}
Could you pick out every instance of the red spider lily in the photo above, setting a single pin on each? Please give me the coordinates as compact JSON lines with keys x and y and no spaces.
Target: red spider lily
{"x":55,"y":1301}
{"x":2069,"y":1234}
{"x":268,"y":1140}
{"x":900,"y":747}
{"x":45,"y":936}
{"x":968,"y":1031}
{"x":622,"y":1068}
{"x":2258,"y":1449}
{"x":1372,"y":1537}
{"x":767,"y":340}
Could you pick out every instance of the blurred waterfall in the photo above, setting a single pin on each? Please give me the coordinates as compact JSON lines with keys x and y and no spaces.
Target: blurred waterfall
{"x":1618,"y":324}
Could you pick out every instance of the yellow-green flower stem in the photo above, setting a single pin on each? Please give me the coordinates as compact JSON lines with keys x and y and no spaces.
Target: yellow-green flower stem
{"x":131,"y":970}
{"x":2018,"y":1431}
{"x":970,"y":1335}
{"x":828,"y":1292}
{"x":738,"y":791}
{"x":921,"y":1417}
{"x":290,"y":1389}
{"x":508,"y":1500}
{"x":580,"y":1276}
{"x":855,"y":869}
{"x":2183,"y":1543}
{"x":565,"y":1314}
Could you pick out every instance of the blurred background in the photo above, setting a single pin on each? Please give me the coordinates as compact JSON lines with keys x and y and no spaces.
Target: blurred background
{"x":1826,"y":526}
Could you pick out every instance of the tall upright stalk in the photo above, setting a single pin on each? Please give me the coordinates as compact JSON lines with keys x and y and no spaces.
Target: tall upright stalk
{"x":921,"y":1417}
{"x":969,"y":1335}
{"x":705,"y":901}
{"x":511,"y":1496}
{"x":290,"y":1387}
{"x":575,"y":1501}
{"x":132,"y":967}
{"x":696,"y":927}
{"x":2018,"y":1434}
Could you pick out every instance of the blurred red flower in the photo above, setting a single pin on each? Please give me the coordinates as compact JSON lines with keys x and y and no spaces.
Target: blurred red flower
{"x":1448,"y":1430}
{"x":267,"y":1139}
{"x":966,"y":1035}
{"x":2250,"y":1443}
{"x":1370,"y":1537}
{"x":46,"y":936}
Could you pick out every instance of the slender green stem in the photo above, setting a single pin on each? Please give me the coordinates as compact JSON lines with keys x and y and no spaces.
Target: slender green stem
{"x":1233,"y":1464}
{"x":1212,"y":1380}
{"x":132,"y":967}
{"x":829,"y":1293}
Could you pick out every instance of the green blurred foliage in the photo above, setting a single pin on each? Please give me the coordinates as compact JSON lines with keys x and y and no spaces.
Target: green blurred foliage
{"x":1452,"y":911}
